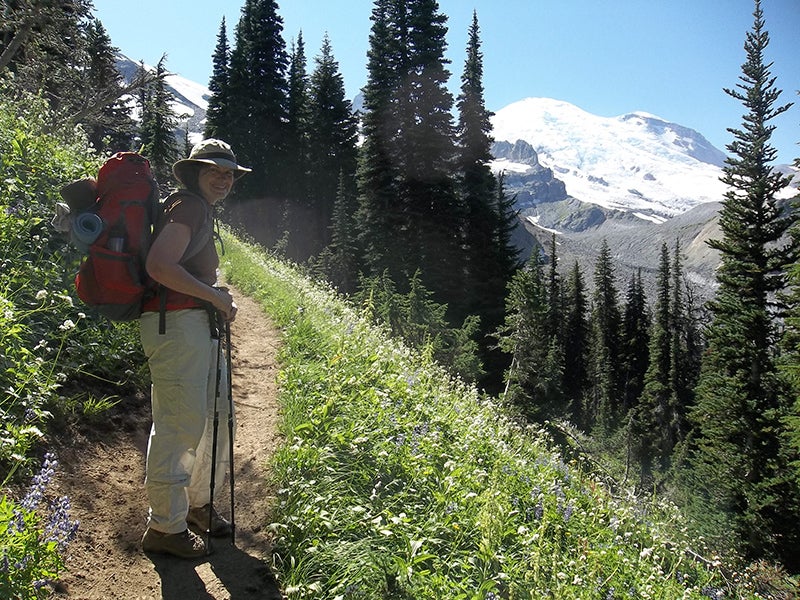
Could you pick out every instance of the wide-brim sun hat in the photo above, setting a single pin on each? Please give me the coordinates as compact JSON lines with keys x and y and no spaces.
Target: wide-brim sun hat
{"x":210,"y":152}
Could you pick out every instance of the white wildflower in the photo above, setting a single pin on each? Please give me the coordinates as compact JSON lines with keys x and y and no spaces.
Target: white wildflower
{"x":67,"y":325}
{"x":41,"y":294}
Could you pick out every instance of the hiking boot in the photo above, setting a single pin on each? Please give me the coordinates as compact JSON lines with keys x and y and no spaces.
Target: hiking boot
{"x":220,"y":527}
{"x":186,"y":544}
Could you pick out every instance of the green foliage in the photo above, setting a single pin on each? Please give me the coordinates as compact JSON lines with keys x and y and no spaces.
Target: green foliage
{"x":742,"y":402}
{"x":158,"y":127}
{"x":216,"y":113}
{"x":410,"y":215}
{"x":536,"y":372}
{"x":397,"y":481}
{"x":602,"y":408}
{"x":47,"y":344}
{"x":415,"y":318}
{"x":256,"y":107}
{"x":33,"y":537}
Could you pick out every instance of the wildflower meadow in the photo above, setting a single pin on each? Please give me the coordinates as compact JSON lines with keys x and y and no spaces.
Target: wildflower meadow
{"x":400,"y":481}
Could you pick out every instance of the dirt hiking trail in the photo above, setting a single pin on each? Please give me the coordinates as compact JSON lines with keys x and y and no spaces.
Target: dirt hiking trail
{"x":101,"y":469}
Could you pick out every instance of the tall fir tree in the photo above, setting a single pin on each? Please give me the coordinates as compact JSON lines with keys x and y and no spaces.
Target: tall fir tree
{"x":489,"y":258}
{"x":333,"y":127}
{"x":603,"y":398}
{"x":410,"y":218}
{"x":555,"y":313}
{"x":790,"y":358}
{"x":297,"y":136}
{"x":217,"y":114}
{"x":477,"y":184}
{"x":536,"y":372}
{"x":377,"y":185}
{"x":109,"y":125}
{"x":634,"y":353}
{"x":651,"y":418}
{"x":686,"y":350}
{"x":257,"y":110}
{"x":576,"y":345}
{"x":738,"y":452}
{"x":157,"y":128}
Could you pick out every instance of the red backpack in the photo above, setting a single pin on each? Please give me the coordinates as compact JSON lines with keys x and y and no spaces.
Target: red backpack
{"x":112,"y":278}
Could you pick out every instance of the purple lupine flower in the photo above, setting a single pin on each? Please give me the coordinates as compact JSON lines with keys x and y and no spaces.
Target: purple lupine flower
{"x":568,"y":511}
{"x":59,"y":528}
{"x":40,"y":483}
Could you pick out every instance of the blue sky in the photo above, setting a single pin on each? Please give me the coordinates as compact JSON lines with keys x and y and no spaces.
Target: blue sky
{"x":671,"y":58}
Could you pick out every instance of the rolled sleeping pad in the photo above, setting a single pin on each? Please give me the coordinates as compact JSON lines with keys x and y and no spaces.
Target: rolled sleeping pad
{"x":86,"y":228}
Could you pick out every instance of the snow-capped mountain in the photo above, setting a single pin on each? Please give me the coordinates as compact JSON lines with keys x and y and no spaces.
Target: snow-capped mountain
{"x":635,"y":162}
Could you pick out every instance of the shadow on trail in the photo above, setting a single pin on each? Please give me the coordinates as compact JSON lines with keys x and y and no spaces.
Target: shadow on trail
{"x":244,"y":576}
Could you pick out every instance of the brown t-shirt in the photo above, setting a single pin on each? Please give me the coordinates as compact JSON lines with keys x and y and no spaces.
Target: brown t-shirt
{"x":194,"y":212}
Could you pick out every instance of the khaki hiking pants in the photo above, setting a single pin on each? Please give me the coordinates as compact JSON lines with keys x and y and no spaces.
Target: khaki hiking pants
{"x":183,"y":369}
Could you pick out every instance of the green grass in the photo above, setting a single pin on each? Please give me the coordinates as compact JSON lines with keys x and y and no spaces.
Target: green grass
{"x":398,"y":481}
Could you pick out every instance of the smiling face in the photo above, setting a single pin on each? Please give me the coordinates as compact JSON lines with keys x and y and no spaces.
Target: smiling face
{"x":215,"y":182}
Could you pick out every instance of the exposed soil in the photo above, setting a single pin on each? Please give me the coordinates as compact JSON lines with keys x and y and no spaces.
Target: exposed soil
{"x":101,"y":469}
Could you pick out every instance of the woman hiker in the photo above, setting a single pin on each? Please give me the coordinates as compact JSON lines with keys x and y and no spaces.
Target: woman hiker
{"x":184,"y":357}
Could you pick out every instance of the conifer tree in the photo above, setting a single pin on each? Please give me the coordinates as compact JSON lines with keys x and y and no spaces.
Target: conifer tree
{"x":790,"y":360}
{"x":740,"y":405}
{"x":409,"y":217}
{"x":477,"y":184}
{"x":635,"y":342}
{"x":489,"y":258}
{"x":43,"y":45}
{"x":257,"y":108}
{"x":376,"y":179}
{"x":109,"y":126}
{"x":686,"y":351}
{"x":576,"y":344}
{"x":217,"y":114}
{"x":158,"y":126}
{"x":555,"y":313}
{"x":333,"y":130}
{"x":297,"y":144}
{"x":603,"y":399}
{"x":651,"y":419}
{"x":338,"y":262}
{"x":534,"y":378}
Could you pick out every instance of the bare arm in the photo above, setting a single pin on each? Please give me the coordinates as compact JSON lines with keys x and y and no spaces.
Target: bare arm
{"x":163,"y":265}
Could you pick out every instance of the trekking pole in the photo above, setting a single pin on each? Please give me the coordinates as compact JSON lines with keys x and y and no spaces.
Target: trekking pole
{"x":214,"y":445}
{"x":230,"y":422}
